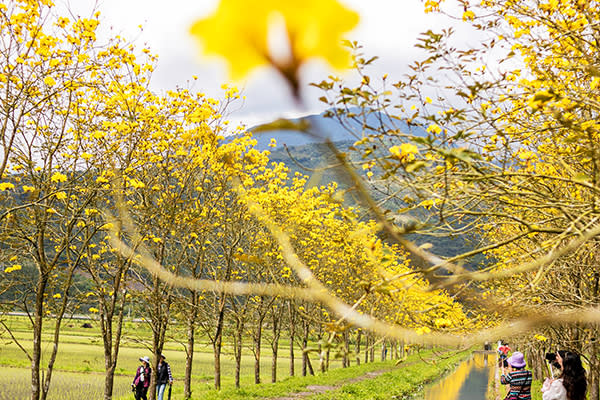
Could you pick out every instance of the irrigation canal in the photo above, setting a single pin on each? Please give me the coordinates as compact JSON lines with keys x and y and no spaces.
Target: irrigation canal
{"x":469,"y":381}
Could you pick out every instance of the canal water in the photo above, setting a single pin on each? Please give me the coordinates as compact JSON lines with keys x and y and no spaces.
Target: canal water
{"x":469,"y":381}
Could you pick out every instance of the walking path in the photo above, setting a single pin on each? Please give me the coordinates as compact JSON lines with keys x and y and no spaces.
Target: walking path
{"x":312,"y":390}
{"x":318,"y":389}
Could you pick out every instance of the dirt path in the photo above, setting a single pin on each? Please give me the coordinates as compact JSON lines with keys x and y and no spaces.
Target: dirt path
{"x":318,"y":389}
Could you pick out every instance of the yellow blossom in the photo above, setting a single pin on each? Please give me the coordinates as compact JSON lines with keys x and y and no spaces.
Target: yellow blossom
{"x":434,"y":128}
{"x":15,"y":267}
{"x":6,"y":185}
{"x":468,"y":15}
{"x":49,"y":81}
{"x":240,"y":31}
{"x":58,"y":177}
{"x":405,"y":149}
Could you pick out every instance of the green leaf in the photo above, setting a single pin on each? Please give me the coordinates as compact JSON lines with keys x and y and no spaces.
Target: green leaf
{"x":581,"y":177}
{"x":415,"y":166}
{"x":283,"y":124}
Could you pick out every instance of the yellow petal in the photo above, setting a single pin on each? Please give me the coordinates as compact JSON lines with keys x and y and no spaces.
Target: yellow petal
{"x":239,"y":31}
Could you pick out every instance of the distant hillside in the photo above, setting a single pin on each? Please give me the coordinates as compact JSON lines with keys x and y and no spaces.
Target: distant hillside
{"x":310,"y":156}
{"x":332,"y":129}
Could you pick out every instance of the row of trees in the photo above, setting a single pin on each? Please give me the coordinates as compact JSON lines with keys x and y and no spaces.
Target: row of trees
{"x":116,"y":195}
{"x":511,"y":156}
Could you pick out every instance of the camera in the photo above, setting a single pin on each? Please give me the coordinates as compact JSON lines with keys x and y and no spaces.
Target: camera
{"x":551,"y":357}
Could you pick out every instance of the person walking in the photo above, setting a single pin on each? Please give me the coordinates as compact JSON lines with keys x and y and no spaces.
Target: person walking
{"x":141,"y":382}
{"x":503,"y":350}
{"x":163,"y":377}
{"x":571,"y":384}
{"x":518,"y":378}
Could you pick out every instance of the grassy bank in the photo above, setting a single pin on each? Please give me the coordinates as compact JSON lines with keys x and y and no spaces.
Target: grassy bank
{"x":397,"y":383}
{"x":390,"y":381}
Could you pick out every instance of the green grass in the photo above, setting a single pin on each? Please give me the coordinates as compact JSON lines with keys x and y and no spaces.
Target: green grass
{"x":536,"y":390}
{"x":16,"y":385}
{"x":81,"y":351}
{"x":396,"y":383}
{"x":410,"y":376}
{"x":80,"y":369}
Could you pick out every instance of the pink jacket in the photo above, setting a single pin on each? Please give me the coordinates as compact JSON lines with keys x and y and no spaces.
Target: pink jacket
{"x":142,"y":376}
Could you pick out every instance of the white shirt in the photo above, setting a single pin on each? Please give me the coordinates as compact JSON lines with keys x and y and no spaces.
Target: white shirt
{"x":554,"y":390}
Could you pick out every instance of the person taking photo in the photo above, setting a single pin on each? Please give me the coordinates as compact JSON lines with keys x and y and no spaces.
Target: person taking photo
{"x":571,"y":383}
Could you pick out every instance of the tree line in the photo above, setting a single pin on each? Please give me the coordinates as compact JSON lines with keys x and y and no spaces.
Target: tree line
{"x":139,"y":195}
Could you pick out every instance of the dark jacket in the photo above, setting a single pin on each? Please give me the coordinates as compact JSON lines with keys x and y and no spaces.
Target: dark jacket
{"x":164,"y":373}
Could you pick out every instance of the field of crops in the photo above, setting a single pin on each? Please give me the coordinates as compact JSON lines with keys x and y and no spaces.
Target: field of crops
{"x":79,"y":366}
{"x":16,"y":385}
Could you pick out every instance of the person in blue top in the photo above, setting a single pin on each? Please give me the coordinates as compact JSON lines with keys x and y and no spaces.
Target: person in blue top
{"x":517,"y":377}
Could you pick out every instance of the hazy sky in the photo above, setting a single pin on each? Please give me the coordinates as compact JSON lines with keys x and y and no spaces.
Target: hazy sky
{"x":388,"y":29}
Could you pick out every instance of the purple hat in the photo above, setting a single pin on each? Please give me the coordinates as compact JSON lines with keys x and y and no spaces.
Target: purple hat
{"x":516,"y":360}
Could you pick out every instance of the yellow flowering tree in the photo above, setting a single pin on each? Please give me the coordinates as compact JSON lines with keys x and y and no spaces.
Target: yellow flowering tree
{"x":505,"y":153}
{"x":55,"y":78}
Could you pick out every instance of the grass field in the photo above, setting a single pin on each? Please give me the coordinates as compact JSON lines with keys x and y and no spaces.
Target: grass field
{"x":79,"y":366}
{"x":16,"y":385}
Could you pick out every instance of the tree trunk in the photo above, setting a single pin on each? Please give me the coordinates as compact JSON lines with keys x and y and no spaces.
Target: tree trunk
{"x":217,"y":344}
{"x":346,"y":358}
{"x":112,"y":341}
{"x":257,"y":344}
{"x":305,"y":359}
{"x":237,"y":350}
{"x":217,"y":360}
{"x":358,"y":338}
{"x":36,"y":355}
{"x":275,"y":349}
{"x":309,"y":364}
{"x":321,"y":350}
{"x":189,"y":352}
{"x":275,"y":345}
{"x":109,"y":380}
{"x":292,"y":338}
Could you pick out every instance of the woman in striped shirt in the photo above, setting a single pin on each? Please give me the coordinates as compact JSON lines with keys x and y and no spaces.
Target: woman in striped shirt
{"x":517,"y":377}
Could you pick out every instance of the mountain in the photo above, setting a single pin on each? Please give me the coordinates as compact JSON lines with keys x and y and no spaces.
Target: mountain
{"x":325,"y":127}
{"x":309,"y":155}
